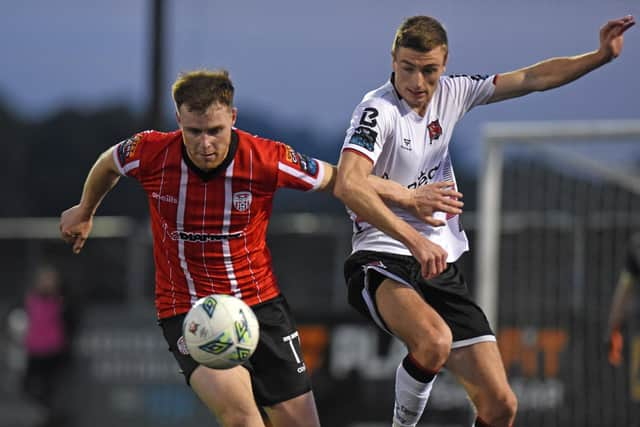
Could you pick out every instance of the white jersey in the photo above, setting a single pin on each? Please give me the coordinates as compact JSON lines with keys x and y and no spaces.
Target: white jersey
{"x":413,"y":150}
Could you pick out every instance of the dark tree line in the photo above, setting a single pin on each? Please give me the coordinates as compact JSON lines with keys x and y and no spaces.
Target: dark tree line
{"x":46,"y":160}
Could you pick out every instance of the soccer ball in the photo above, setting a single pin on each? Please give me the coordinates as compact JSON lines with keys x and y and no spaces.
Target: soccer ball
{"x":220,"y":331}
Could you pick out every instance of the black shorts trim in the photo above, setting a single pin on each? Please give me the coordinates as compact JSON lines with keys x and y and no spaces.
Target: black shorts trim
{"x":277,"y":368}
{"x":447,"y":293}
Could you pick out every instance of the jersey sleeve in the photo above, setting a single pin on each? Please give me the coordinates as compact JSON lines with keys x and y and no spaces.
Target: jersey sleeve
{"x":298,"y":171}
{"x":470,"y":91}
{"x":369,"y":129}
{"x":128,"y":153}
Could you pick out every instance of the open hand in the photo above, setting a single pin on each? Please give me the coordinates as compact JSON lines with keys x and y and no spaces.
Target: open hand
{"x":436,"y":197}
{"x":612,"y":36}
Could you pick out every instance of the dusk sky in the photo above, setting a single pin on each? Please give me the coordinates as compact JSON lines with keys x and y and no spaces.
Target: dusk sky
{"x":308,"y":63}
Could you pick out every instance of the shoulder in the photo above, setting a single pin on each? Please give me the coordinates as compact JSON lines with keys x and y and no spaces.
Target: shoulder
{"x":259,"y":148}
{"x":247,"y":139}
{"x":453,"y":78}
{"x":147,"y":142}
{"x":461,"y":81}
{"x":380,"y":105}
{"x":162,"y":138}
{"x":151,"y":138}
{"x":383,"y":98}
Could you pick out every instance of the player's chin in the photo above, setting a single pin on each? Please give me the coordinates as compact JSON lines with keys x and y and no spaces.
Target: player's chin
{"x":210,"y":162}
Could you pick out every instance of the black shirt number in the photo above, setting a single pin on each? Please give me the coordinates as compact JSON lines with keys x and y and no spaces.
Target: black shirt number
{"x":369,"y":117}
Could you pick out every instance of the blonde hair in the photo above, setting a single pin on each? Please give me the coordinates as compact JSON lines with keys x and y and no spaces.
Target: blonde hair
{"x":200,"y":89}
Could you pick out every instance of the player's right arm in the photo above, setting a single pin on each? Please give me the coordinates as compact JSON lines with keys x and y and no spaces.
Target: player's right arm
{"x":77,"y":221}
{"x":421,"y":202}
{"x":355,"y":191}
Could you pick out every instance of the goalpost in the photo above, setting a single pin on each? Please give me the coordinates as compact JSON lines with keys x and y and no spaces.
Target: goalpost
{"x":557,"y":204}
{"x":540,"y":134}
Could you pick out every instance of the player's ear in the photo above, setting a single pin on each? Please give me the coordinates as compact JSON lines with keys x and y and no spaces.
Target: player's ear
{"x":234,"y":115}
{"x":444,"y":63}
{"x":178,"y":118}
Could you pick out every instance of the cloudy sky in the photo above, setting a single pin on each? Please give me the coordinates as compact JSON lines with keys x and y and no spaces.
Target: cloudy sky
{"x":306,"y":62}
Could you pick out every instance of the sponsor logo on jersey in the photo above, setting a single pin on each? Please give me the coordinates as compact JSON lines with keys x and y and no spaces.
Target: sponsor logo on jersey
{"x":435,"y":130}
{"x":291,"y":155}
{"x":406,"y":144}
{"x":127,"y":148}
{"x":164,"y":198}
{"x":242,"y":200}
{"x":204,"y":237}
{"x":425,"y":177}
{"x":309,"y":165}
{"x":364,"y":137}
{"x":306,"y":164}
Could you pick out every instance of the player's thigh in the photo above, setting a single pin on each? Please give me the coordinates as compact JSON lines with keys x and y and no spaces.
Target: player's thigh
{"x":228,"y":394}
{"x":408,"y":316}
{"x":480,"y":370}
{"x":297,"y":412}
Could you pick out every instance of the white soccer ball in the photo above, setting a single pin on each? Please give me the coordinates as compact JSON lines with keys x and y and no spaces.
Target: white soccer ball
{"x":220,"y":331}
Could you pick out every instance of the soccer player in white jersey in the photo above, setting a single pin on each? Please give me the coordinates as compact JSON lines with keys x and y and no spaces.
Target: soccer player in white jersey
{"x":402,"y":273}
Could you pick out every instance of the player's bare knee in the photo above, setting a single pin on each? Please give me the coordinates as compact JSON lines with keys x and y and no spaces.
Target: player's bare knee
{"x":501,"y":411}
{"x":431,"y":348}
{"x":229,"y":418}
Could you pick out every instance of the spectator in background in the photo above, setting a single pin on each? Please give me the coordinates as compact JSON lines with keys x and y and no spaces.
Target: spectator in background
{"x":627,"y":281}
{"x":47,"y":339}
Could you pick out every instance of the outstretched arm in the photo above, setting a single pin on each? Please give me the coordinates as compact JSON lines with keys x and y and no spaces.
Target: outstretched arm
{"x":77,"y":221}
{"x":354,"y":189}
{"x":556,"y":72}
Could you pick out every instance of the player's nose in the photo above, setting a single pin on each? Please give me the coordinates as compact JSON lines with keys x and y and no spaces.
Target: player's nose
{"x":206,"y":141}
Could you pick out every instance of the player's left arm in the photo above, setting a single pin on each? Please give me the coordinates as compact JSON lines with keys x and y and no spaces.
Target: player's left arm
{"x":555,"y":72}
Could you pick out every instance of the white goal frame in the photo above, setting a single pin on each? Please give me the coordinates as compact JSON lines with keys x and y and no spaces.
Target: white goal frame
{"x":497,"y":135}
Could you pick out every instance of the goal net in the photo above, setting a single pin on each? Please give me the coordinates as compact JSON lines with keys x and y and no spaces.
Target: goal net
{"x":558,"y":204}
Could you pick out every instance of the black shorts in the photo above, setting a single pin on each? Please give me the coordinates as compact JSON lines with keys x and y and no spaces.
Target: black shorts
{"x":447,"y":293}
{"x":278,"y":372}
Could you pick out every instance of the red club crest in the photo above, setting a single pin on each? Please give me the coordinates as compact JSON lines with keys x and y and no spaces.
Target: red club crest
{"x":435,"y":130}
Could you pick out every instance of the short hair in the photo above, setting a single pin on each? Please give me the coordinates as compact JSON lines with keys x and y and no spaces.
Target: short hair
{"x":200,"y":89}
{"x":421,"y":33}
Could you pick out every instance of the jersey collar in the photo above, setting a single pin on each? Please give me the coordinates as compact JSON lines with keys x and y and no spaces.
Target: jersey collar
{"x":207,"y":175}
{"x":392,"y":79}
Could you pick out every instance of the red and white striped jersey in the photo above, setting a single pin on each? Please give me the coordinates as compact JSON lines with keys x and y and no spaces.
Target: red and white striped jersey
{"x":209,"y":228}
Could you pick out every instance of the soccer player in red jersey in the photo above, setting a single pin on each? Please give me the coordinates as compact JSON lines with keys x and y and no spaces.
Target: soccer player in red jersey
{"x":210,"y":188}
